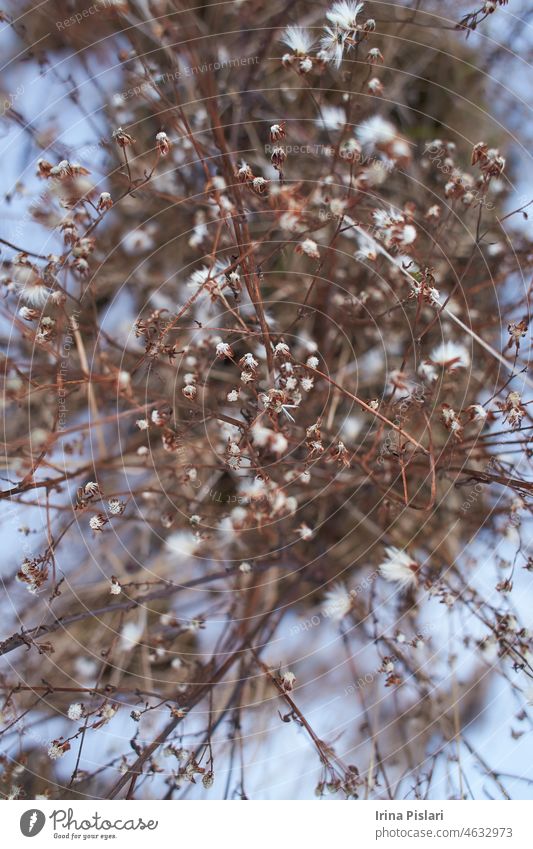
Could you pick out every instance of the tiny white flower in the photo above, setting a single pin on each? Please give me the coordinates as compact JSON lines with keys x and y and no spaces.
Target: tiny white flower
{"x":249,"y":361}
{"x":130,"y":635}
{"x":163,"y":143}
{"x":332,"y":46}
{"x":105,"y":201}
{"x":287,"y":681}
{"x":298,"y":39}
{"x":75,"y":711}
{"x":375,"y":131}
{"x":331,"y":118}
{"x":108,"y":712}
{"x":398,"y":567}
{"x":57,"y":750}
{"x":224,"y":350}
{"x":97,"y":522}
{"x":190,"y":391}
{"x":259,"y":185}
{"x":36,"y":295}
{"x":305,"y":532}
{"x":28,"y":314}
{"x":310,"y":248}
{"x":116,"y":507}
{"x":337,"y":602}
{"x":450,"y":355}
{"x":477,"y":412}
{"x":115,"y":588}
{"x":344,"y":14}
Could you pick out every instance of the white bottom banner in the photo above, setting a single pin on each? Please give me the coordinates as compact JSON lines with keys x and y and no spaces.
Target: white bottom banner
{"x":264,"y":824}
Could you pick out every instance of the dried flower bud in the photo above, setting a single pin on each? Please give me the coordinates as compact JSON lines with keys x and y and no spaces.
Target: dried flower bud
{"x":244,"y":173}
{"x":259,"y":185}
{"x":277,"y":132}
{"x":104,"y":202}
{"x":278,"y":157}
{"x":374,"y":56}
{"x":375,"y":87}
{"x":163,"y":143}
{"x":98,"y":522}
{"x":122,"y":138}
{"x":224,"y":350}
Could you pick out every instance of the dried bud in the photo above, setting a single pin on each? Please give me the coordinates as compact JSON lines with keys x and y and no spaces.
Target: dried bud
{"x":104,"y":202}
{"x":277,"y":132}
{"x":163,"y":143}
{"x":122,"y":138}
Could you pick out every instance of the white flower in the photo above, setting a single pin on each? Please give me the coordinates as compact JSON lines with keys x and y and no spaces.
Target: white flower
{"x":408,"y":235}
{"x":312,"y":362}
{"x":124,"y":379}
{"x":282,"y":350}
{"x":477,"y":412}
{"x":75,"y":711}
{"x":337,"y":602}
{"x":35,"y":294}
{"x":200,"y":276}
{"x":331,"y":118}
{"x":142,"y":424}
{"x":344,"y":13}
{"x":398,"y":567}
{"x":261,"y":435}
{"x":332,"y":46}
{"x":233,"y":395}
{"x":245,"y":568}
{"x":249,"y":361}
{"x":28,"y":314}
{"x":287,"y":681}
{"x":105,"y":201}
{"x":130,"y":635}
{"x":375,"y":131}
{"x":115,"y":588}
{"x":116,"y":507}
{"x":163,"y":143}
{"x":108,"y":712}
{"x":224,"y":350}
{"x":182,"y":545}
{"x":91,"y":488}
{"x":190,"y":391}
{"x":428,"y":372}
{"x":298,"y":39}
{"x":278,"y":444}
{"x":375,"y":86}
{"x":97,"y":522}
{"x":259,"y":185}
{"x":367,"y":249}
{"x":450,"y":355}
{"x":305,"y":532}
{"x":57,"y":750}
{"x":310,"y":248}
